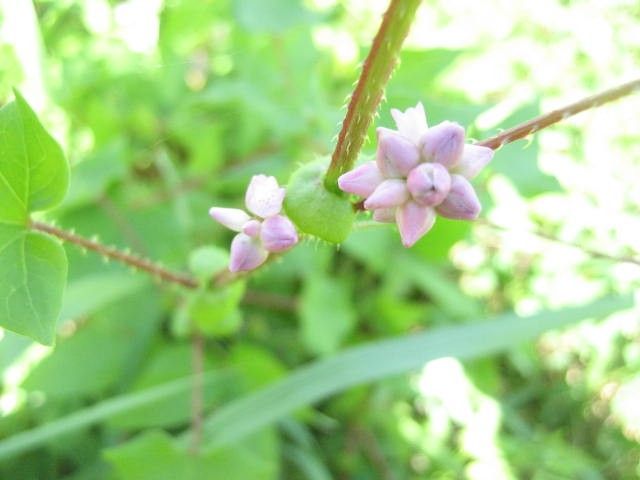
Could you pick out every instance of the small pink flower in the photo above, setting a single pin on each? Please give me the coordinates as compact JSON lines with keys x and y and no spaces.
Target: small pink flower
{"x":267,"y":232}
{"x":419,"y":171}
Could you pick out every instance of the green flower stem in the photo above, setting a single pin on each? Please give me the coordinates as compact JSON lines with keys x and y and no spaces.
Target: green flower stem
{"x":366,"y":97}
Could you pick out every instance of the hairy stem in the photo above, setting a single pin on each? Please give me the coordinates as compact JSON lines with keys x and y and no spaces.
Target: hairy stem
{"x":543,"y":121}
{"x":366,"y":97}
{"x":113,"y":253}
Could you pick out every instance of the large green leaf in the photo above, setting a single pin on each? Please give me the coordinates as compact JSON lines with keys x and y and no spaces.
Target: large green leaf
{"x":33,"y":269}
{"x":154,"y":455}
{"x":33,"y":171}
{"x":388,"y":357}
{"x":33,"y":176}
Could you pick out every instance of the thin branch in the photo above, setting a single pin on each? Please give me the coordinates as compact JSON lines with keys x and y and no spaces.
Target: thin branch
{"x":376,"y":71}
{"x":113,"y":253}
{"x":550,"y":238}
{"x":220,"y":279}
{"x":532,"y":126}
{"x":197,"y":392}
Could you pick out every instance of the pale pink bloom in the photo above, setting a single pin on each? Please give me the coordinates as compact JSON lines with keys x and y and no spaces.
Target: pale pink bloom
{"x":361,"y":181}
{"x":267,"y":232}
{"x":390,"y":193}
{"x":462,"y":202}
{"x":419,"y":171}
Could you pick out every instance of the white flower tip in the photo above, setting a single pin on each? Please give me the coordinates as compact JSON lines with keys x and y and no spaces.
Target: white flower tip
{"x":264,"y":197}
{"x":232,"y":218}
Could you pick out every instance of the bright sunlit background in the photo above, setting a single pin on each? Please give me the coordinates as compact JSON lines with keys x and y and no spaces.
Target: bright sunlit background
{"x":166,"y":107}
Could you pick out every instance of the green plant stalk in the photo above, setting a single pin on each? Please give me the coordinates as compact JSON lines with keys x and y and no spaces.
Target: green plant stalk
{"x":367,"y":95}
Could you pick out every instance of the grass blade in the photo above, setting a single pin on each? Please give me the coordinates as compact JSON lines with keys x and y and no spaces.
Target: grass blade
{"x":377,"y":360}
{"x":101,"y":411}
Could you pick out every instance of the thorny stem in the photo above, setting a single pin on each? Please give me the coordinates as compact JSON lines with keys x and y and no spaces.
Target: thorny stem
{"x":366,"y":97}
{"x":532,"y":126}
{"x":113,"y":253}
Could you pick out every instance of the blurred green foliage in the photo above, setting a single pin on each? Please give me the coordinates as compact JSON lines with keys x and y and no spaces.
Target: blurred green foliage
{"x":166,"y":107}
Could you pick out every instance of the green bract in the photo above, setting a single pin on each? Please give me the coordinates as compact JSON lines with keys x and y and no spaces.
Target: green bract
{"x":314,"y":209}
{"x":33,"y":176}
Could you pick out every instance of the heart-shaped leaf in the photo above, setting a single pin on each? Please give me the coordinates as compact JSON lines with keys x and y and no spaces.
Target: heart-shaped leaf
{"x":33,"y":176}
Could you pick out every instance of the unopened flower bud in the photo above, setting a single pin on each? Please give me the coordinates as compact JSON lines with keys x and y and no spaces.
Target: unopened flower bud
{"x":396,"y":155}
{"x":429,"y":183}
{"x":232,"y":218}
{"x":414,"y":221}
{"x":389,"y":193}
{"x":264,"y":196}
{"x":361,"y":181}
{"x":443,"y":143}
{"x":462,"y":202}
{"x":278,"y":234}
{"x":246,"y":253}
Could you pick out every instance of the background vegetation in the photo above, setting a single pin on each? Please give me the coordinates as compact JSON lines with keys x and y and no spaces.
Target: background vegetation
{"x":165,"y":108}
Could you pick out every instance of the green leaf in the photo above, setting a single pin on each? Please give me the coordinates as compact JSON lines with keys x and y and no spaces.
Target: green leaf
{"x":154,"y":455}
{"x":204,"y":262}
{"x":377,"y":360}
{"x":327,"y":314}
{"x":216,"y":313}
{"x":99,"y":412}
{"x":33,"y":270}
{"x":74,"y":370}
{"x":314,"y":209}
{"x":33,"y":171}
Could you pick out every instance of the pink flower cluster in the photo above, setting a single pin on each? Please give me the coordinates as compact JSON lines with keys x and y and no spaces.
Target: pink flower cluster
{"x":418,"y":172}
{"x":266,"y":232}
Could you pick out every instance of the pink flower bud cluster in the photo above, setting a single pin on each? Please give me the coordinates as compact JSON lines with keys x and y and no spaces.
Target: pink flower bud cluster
{"x":418,"y":172}
{"x":266,"y":232}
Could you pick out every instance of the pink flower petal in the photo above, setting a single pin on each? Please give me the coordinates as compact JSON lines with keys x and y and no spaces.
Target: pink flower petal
{"x":389,"y":193}
{"x":462,"y":202}
{"x":443,"y":143}
{"x":385,"y":215}
{"x":246,"y":253}
{"x":264,"y":197}
{"x":396,"y":155}
{"x":252,"y":228}
{"x":414,"y":221}
{"x":232,"y":218}
{"x":361,"y":181}
{"x":278,"y":234}
{"x":474,"y":158}
{"x":411,"y":123}
{"x":429,"y":184}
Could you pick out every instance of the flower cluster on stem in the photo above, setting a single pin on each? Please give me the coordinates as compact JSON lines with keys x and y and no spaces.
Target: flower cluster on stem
{"x":419,"y":172}
{"x":267,"y":231}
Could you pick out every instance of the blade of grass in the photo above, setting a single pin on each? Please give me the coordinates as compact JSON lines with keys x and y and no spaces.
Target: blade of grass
{"x":35,"y":437}
{"x":377,"y":360}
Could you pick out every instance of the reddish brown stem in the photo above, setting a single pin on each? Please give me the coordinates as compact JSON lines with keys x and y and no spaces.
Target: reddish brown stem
{"x":532,"y":126}
{"x":376,"y":71}
{"x":113,"y":253}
